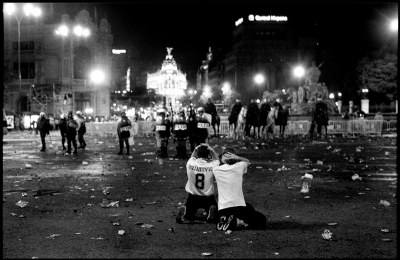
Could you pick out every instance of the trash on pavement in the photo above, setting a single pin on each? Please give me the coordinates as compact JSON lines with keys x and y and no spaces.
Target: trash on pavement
{"x":278,"y":153}
{"x":121,"y":232}
{"x":28,"y":166}
{"x":85,"y":163}
{"x":228,"y":232}
{"x":206,"y":254}
{"x":307,"y":178}
{"x":53,"y":236}
{"x":14,"y":214}
{"x":147,"y":226}
{"x":156,"y":173}
{"x":150,"y":203}
{"x":258,"y":167}
{"x":327,"y":235}
{"x":384,"y":203}
{"x":105,"y":190}
{"x":332,"y":224}
{"x":24,"y":194}
{"x":356,"y":177}
{"x":109,"y":204}
{"x":130,"y":199}
{"x":320,"y":162}
{"x":22,"y":204}
{"x":386,"y":239}
{"x":97,"y":238}
{"x":385,"y":230}
{"x":387,"y":153}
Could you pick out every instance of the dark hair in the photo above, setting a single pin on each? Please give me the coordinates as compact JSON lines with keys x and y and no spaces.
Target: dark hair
{"x":203,"y":152}
{"x":228,"y":150}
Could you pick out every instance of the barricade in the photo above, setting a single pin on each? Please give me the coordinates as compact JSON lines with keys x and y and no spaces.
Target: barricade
{"x":356,"y":126}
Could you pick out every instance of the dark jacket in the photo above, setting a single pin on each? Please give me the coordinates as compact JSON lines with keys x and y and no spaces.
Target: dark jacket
{"x":72,"y":125}
{"x":264,"y":110}
{"x":321,"y":113}
{"x":81,"y":123}
{"x":237,"y":107}
{"x":253,"y":114}
{"x":63,"y":125}
{"x":123,"y":128}
{"x":43,"y":125}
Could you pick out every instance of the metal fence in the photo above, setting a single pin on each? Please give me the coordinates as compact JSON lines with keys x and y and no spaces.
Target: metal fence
{"x":300,"y":127}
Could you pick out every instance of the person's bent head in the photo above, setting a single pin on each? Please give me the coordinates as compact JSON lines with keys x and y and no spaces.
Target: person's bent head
{"x":226,"y":160}
{"x":203,"y":152}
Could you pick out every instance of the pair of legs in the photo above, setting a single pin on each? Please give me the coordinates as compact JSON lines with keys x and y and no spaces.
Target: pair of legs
{"x":72,"y":139}
{"x":43,"y":139}
{"x":282,"y":130}
{"x":181,"y":148}
{"x":63,"y":139}
{"x":195,"y":202}
{"x":82,"y":142}
{"x":319,"y":130}
{"x":121,"y":145}
{"x":252,"y":218}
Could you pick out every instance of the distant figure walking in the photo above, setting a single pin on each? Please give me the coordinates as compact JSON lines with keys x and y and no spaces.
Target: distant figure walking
{"x":72,"y":126}
{"x":81,"y":129}
{"x":62,"y":125}
{"x":320,"y":118}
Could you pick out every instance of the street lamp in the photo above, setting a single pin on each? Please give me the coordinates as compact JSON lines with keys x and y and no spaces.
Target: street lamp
{"x":299,"y":71}
{"x":339,"y":103}
{"x":365,"y":101}
{"x":29,"y":10}
{"x":97,"y":77}
{"x":64,"y":31}
{"x":394,"y":25}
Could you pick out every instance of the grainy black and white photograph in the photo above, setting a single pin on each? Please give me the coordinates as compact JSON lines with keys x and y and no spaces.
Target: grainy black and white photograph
{"x":200,"y":129}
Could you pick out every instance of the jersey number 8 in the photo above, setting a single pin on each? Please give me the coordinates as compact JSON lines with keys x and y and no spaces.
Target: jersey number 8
{"x":199,"y":181}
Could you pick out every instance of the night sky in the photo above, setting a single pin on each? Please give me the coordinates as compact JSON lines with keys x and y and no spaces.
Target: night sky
{"x":349,"y":29}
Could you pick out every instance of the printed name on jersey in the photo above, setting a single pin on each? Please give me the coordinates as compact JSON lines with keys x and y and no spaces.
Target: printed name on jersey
{"x":200,"y":169}
{"x":125,"y":128}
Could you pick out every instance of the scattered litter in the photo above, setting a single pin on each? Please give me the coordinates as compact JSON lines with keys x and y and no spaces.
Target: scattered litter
{"x":133,"y":168}
{"x":130,"y":157}
{"x":307,"y":197}
{"x":156,"y":173}
{"x":109,"y":204}
{"x":358,"y":150}
{"x":327,"y":235}
{"x":287,"y":216}
{"x":77,"y":187}
{"x":384,"y":203}
{"x":130,"y":199}
{"x":140,"y":144}
{"x":336,"y":150}
{"x":276,"y":253}
{"x":361,"y":193}
{"x":147,"y":226}
{"x":329,"y":147}
{"x":28,"y":166}
{"x":97,"y":238}
{"x":22,"y":204}
{"x":356,"y":177}
{"x":332,"y":224}
{"x":320,"y":162}
{"x":121,"y":232}
{"x":290,"y":188}
{"x":105,"y":190}
{"x":78,"y":233}
{"x":228,"y":232}
{"x":85,"y":163}
{"x":306,"y":160}
{"x":14,"y":214}
{"x":150,"y":203}
{"x":148,"y":153}
{"x":386,"y":239}
{"x":53,"y":236}
{"x":387,"y":153}
{"x":160,"y":161}
{"x":90,"y":204}
{"x":258,"y":167}
{"x":24,"y":194}
{"x":385,"y":230}
{"x":278,"y":153}
{"x":206,"y":254}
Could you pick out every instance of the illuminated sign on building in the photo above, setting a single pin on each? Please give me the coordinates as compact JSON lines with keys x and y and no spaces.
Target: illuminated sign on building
{"x":239,"y":21}
{"x":114,"y":51}
{"x":268,"y":18}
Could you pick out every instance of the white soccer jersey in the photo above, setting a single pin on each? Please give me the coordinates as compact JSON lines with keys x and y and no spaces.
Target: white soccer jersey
{"x":200,"y":176}
{"x":229,"y":182}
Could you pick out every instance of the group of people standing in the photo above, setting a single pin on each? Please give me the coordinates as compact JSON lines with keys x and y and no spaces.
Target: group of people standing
{"x":69,"y":126}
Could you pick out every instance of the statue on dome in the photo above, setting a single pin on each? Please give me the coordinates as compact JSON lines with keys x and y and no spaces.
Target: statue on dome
{"x":169,"y":50}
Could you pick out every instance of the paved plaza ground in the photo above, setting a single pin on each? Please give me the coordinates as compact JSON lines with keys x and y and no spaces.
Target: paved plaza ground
{"x":67,"y":214}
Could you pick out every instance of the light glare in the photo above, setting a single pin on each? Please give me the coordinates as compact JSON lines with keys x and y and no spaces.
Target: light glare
{"x":299,"y":72}
{"x":259,"y":79}
{"x":394,"y":25}
{"x":97,"y":76}
{"x":9,"y":8}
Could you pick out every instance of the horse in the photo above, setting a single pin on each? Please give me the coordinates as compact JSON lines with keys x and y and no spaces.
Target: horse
{"x":264,"y":110}
{"x":252,"y":120}
{"x":241,"y":123}
{"x":215,"y":122}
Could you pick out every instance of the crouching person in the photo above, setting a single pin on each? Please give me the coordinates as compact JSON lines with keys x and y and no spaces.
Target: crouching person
{"x":200,"y":185}
{"x":233,"y":211}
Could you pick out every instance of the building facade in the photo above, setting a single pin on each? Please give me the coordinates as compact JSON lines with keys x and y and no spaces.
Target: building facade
{"x":55,"y":69}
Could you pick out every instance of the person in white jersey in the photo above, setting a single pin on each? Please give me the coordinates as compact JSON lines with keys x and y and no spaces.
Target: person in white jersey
{"x":200,"y":185}
{"x":233,"y":211}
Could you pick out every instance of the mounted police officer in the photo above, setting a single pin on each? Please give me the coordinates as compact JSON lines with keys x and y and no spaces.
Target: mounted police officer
{"x":180,"y":130}
{"x":202,"y":125}
{"x":123,"y":130}
{"x":163,"y":132}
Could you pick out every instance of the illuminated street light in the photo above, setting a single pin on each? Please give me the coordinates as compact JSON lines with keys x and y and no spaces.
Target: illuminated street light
{"x":331,"y":96}
{"x":259,"y":79}
{"x":299,"y":71}
{"x":394,"y":25}
{"x":97,"y":76}
{"x":339,"y":94}
{"x":11,"y":10}
{"x":207,"y":91}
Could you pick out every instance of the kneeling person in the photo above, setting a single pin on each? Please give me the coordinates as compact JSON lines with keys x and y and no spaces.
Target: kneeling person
{"x":233,"y":211}
{"x":200,"y":185}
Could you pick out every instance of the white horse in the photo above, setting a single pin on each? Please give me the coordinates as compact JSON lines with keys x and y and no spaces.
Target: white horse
{"x":241,"y":123}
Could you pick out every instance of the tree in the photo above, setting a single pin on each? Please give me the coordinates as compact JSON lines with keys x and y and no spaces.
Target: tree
{"x":379,"y":75}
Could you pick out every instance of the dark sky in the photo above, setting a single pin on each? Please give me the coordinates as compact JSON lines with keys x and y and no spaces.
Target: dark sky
{"x":350,"y":28}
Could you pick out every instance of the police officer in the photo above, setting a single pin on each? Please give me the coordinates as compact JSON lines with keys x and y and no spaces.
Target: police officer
{"x":62,"y":125}
{"x":191,"y":127}
{"x":123,"y":130}
{"x":163,"y":132}
{"x":202,"y":125}
{"x":43,"y":126}
{"x":180,"y":130}
{"x":81,"y":130}
{"x":72,"y":126}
